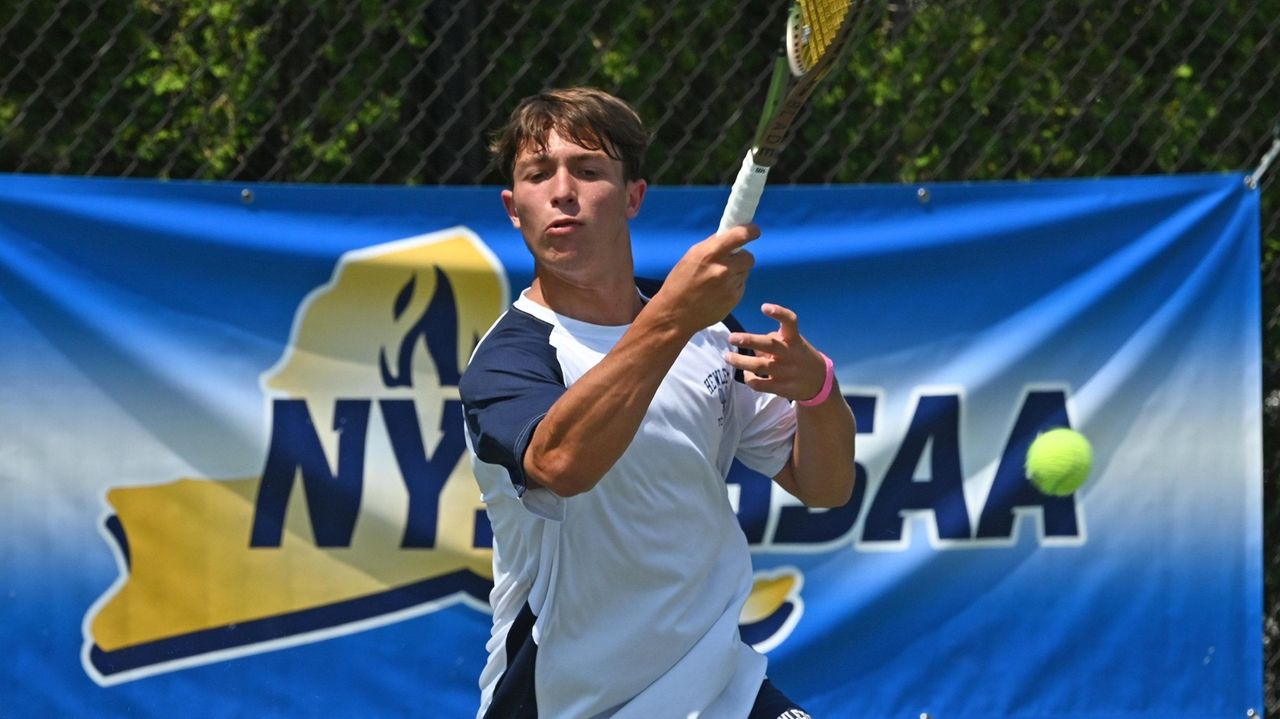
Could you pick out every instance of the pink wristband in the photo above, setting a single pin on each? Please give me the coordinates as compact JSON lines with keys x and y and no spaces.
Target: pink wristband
{"x":823,"y":393}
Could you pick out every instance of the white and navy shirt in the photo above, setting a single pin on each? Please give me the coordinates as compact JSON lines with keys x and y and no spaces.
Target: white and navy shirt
{"x":622,"y":601}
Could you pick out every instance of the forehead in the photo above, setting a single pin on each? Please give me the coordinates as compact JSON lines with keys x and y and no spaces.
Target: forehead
{"x":556,"y":147}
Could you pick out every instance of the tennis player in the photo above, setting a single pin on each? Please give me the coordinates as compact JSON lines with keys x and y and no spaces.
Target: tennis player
{"x":603,"y":414}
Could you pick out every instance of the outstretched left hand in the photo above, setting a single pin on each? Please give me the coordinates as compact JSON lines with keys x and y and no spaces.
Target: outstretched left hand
{"x":785,"y":363}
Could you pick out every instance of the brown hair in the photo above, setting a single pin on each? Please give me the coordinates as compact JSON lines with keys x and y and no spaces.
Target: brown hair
{"x":588,"y":117}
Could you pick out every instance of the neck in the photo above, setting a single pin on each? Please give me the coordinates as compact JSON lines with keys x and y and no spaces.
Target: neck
{"x":613,"y":303}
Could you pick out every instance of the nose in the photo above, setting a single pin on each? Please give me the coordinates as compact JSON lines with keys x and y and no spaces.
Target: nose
{"x":563,"y":189}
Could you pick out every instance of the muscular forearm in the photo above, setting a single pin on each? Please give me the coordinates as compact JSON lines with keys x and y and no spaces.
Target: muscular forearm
{"x":592,"y":424}
{"x":821,"y":471}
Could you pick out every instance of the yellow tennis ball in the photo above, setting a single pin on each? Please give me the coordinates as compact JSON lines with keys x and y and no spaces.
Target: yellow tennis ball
{"x":1058,"y":461}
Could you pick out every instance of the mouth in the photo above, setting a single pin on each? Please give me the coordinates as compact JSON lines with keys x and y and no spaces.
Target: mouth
{"x":563,"y":226}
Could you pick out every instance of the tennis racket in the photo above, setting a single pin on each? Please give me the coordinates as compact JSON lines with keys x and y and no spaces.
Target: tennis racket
{"x":817,"y":30}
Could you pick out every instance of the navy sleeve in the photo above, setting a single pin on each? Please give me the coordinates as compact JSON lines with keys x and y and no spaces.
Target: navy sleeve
{"x":508,"y":387}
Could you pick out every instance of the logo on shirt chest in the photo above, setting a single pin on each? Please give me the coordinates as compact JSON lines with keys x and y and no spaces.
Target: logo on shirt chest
{"x":717,"y":385}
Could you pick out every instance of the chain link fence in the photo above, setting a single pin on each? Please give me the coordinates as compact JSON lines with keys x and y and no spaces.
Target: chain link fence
{"x":366,"y":91}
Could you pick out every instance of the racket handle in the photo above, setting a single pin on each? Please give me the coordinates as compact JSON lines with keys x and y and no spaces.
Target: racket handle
{"x":745,"y":195}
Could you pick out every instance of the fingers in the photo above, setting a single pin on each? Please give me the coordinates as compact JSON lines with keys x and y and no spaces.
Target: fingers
{"x":789,"y":376}
{"x":757,"y":365}
{"x":788,"y":323}
{"x":726,"y":248}
{"x":783,"y":362}
{"x":708,"y":282}
{"x":758,"y":343}
{"x":788,"y":331}
{"x":735,"y":238}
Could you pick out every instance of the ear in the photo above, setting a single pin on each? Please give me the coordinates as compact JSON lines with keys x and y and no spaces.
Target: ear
{"x":509,"y":202}
{"x":635,"y":196}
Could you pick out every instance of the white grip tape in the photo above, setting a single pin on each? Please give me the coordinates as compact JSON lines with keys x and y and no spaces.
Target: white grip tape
{"x":745,"y":195}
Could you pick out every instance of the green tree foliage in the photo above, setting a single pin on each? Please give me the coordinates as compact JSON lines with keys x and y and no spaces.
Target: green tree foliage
{"x":372,"y":91}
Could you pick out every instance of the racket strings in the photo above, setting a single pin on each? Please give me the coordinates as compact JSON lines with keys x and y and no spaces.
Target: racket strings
{"x":821,"y":22}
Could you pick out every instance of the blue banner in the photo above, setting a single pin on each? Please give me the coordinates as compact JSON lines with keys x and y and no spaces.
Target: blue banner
{"x":233,"y":476}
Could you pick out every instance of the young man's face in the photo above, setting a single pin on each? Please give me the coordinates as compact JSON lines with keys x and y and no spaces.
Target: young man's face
{"x":572,"y":206}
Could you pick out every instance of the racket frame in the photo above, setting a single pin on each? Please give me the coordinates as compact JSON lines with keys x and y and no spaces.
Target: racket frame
{"x":783,"y":103}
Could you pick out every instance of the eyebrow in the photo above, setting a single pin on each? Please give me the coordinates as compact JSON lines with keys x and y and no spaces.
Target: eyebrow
{"x":578,"y":155}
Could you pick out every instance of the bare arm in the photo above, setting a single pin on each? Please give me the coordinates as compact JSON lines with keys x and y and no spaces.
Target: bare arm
{"x":589,"y":427}
{"x":820,"y":472}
